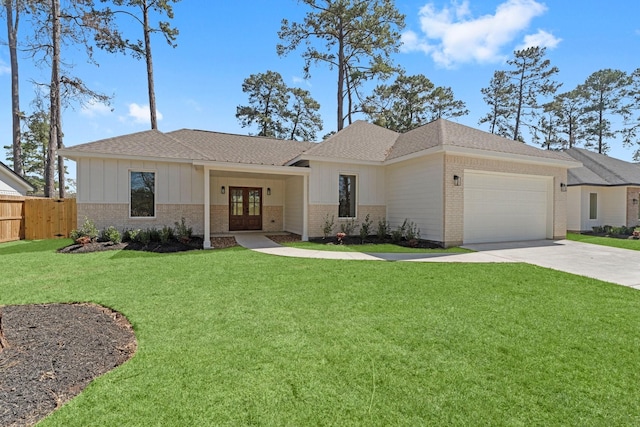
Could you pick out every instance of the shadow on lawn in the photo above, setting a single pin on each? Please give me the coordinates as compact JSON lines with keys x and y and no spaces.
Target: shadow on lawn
{"x":32,"y":246}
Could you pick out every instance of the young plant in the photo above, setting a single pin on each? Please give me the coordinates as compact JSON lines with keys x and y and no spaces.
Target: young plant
{"x":182,"y":232}
{"x":383,"y":229}
{"x":328,"y":225}
{"x":88,"y":230}
{"x":349,"y":226}
{"x":111,"y":234}
{"x":365,"y":228}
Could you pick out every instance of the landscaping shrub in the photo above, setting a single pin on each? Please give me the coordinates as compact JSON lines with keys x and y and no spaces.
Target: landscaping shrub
{"x":88,"y":230}
{"x":383,"y":229}
{"x":111,"y":234}
{"x":365,"y":228}
{"x":398,"y":233}
{"x":182,"y":232}
{"x":166,"y":234}
{"x":349,"y":226}
{"x":328,"y":225}
{"x":130,"y":235}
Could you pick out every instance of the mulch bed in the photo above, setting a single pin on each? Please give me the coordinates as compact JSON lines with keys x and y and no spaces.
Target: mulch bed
{"x":49,"y":353}
{"x":356,"y":240}
{"x":169,"y":247}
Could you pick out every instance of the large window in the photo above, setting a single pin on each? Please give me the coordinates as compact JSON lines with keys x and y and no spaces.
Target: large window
{"x":593,"y":205}
{"x":143,"y":189}
{"x":347,"y":196}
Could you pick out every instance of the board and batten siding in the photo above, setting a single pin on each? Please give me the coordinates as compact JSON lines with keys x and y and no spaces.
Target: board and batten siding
{"x":107,"y":181}
{"x":414,"y":192}
{"x":323,"y":183}
{"x":293,"y":205}
{"x":275,"y":199}
{"x":611,"y":207}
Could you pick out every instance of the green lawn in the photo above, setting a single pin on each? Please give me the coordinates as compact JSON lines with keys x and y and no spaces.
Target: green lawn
{"x":233,"y":337}
{"x":371,"y":248}
{"x":605,"y":241}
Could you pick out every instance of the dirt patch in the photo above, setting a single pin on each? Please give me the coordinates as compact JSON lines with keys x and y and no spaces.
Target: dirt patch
{"x":51,"y":352}
{"x":284,"y":238}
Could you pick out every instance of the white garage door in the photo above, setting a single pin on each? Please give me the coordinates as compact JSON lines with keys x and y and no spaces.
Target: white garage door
{"x":506,"y":207}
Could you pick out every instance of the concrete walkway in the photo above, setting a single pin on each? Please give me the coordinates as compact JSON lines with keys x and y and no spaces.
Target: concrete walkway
{"x":613,"y":265}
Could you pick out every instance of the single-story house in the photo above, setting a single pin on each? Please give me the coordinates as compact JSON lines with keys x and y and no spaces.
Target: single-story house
{"x":455,"y":183}
{"x":12,"y":184}
{"x":604,"y":191}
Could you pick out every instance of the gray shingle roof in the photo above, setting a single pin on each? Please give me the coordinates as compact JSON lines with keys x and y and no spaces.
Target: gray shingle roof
{"x":186,"y":144}
{"x":599,"y":169}
{"x":358,"y":141}
{"x":447,"y":133}
{"x":361,"y":141}
{"x":224,"y":147}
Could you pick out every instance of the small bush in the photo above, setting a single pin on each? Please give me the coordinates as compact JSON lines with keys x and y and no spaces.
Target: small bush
{"x":111,"y":234}
{"x":412,"y":232}
{"x":143,"y":237}
{"x":383,"y":229}
{"x":349,"y":226}
{"x":328,"y":225}
{"x":88,"y":229}
{"x":166,"y":234}
{"x":130,"y":235}
{"x":182,"y":232}
{"x":154,"y":234}
{"x":365,"y":228}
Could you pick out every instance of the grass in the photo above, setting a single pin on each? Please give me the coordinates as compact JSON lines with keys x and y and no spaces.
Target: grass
{"x":605,"y":241}
{"x":371,"y":248}
{"x":234,"y":337}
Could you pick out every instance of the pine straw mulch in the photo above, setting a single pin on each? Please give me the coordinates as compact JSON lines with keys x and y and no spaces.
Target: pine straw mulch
{"x":49,"y":353}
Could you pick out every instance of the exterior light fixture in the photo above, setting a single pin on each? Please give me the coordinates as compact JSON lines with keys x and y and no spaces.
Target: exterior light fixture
{"x":268,"y":191}
{"x":563,"y":187}
{"x":456,"y":180}
{"x":635,"y":201}
{"x":223,"y":190}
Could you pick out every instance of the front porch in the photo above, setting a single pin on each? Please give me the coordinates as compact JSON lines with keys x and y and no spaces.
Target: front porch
{"x":254,"y":198}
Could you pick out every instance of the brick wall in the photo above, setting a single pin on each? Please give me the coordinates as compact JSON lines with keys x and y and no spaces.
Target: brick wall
{"x":633,"y":193}
{"x":117,"y":215}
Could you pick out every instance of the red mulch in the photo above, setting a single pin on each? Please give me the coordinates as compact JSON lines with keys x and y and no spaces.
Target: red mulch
{"x":49,"y":353}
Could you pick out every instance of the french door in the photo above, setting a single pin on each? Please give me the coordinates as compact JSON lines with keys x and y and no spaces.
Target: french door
{"x":245,"y":208}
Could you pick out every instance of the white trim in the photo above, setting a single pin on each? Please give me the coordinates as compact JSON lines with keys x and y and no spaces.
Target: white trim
{"x":207,"y":210}
{"x":249,"y":168}
{"x":155,"y":193}
{"x":73,"y":155}
{"x":339,"y":160}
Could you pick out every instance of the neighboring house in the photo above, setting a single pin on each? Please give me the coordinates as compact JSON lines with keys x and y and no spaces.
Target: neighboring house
{"x":604,"y":191}
{"x":12,"y":184}
{"x":457,"y":184}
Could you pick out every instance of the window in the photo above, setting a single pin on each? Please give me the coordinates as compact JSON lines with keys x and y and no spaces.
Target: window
{"x":143,"y":189}
{"x":347,"y":196}
{"x":593,"y":205}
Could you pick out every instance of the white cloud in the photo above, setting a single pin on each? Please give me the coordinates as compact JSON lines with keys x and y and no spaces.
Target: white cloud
{"x":453,"y":36}
{"x":300,"y":80}
{"x":94,"y":109}
{"x":541,"y":39}
{"x":140,"y":113}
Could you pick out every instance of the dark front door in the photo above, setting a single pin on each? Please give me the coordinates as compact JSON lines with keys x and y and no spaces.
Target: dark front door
{"x":245,"y":208}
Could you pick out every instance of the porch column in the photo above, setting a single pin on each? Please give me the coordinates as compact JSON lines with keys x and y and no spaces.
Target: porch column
{"x":305,"y":208}
{"x":207,"y":210}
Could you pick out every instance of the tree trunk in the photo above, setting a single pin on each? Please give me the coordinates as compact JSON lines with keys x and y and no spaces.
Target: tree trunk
{"x":149,"y":60}
{"x":12,"y":33}
{"x":340,"y":80}
{"x":54,"y":100}
{"x":61,"y":179}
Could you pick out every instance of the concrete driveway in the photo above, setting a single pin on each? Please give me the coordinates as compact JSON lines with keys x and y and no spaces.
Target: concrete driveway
{"x":614,"y":265}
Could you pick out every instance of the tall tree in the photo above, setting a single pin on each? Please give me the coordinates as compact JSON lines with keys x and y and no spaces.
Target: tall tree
{"x":268,"y":98}
{"x":605,"y":94}
{"x":499,"y":97}
{"x":13,"y":8}
{"x":304,"y":121}
{"x":443,"y":104}
{"x":358,"y":39}
{"x":279,"y":111}
{"x":55,"y":131}
{"x":112,"y":40}
{"x":631,"y":120}
{"x":567,"y":115}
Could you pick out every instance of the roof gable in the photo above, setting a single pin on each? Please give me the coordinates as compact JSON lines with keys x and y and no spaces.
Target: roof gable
{"x":599,"y":169}
{"x":9,"y":176}
{"x":361,"y":141}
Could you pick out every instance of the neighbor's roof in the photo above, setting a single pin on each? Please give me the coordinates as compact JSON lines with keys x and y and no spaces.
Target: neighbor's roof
{"x":186,"y":144}
{"x":599,"y":169}
{"x":7,"y":171}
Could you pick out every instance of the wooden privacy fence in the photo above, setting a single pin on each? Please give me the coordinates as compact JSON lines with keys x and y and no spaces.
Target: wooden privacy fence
{"x":36,"y":218}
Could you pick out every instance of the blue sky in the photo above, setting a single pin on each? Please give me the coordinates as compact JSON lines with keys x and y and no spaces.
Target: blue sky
{"x":458,"y":44}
